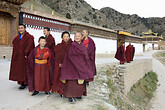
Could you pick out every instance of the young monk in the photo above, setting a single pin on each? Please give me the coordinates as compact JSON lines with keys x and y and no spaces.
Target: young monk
{"x":90,"y":45}
{"x":41,"y":68}
{"x":23,"y":44}
{"x":129,"y":52}
{"x":50,"y":41}
{"x":60,"y":50}
{"x":120,"y":54}
{"x":76,"y":68}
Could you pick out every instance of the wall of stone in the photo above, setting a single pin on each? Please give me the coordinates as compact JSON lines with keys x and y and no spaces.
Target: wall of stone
{"x":127,"y":75}
{"x":5,"y":52}
{"x":162,"y":47}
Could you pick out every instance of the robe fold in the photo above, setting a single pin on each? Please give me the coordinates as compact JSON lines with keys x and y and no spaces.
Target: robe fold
{"x":21,"y":51}
{"x":50,"y":43}
{"x":133,"y":52}
{"x":76,"y":66}
{"x":41,"y":69}
{"x":73,"y":89}
{"x":129,"y":53}
{"x":60,"y":50}
{"x":120,"y":54}
{"x":91,"y":49}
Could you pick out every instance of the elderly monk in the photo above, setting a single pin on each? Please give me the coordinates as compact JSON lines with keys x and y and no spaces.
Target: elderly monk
{"x":76,"y":69}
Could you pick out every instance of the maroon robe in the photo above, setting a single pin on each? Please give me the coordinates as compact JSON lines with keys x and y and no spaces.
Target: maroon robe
{"x":129,"y":53}
{"x":21,"y":51}
{"x":60,"y":51}
{"x":133,"y":52}
{"x":40,"y":76}
{"x":50,"y":43}
{"x":120,"y":54}
{"x":76,"y":65}
{"x":91,"y":49}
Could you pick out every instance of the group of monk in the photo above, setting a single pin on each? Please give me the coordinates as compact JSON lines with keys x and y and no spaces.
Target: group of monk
{"x":125,"y":55}
{"x":65,"y":68}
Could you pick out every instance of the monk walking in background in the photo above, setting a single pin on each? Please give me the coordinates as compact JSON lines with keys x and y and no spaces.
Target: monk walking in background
{"x":133,"y":52}
{"x":76,"y":69}
{"x":129,"y":53}
{"x":23,"y":44}
{"x":120,"y":53}
{"x":50,"y":41}
{"x":41,"y":68}
{"x":91,"y":49}
{"x":60,"y":50}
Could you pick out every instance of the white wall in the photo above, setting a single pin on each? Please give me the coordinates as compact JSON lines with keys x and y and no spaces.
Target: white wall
{"x":39,"y":32}
{"x":156,"y":46}
{"x":148,"y":47}
{"x":138,"y":47}
{"x":105,"y":45}
{"x":102,"y":45}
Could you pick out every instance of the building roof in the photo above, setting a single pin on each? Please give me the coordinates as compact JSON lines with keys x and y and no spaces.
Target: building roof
{"x":151,"y":34}
{"x":16,"y":2}
{"x":75,"y":22}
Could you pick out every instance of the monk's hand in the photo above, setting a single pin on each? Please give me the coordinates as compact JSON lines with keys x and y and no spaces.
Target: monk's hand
{"x":26,"y":57}
{"x":80,"y":81}
{"x":60,"y":65}
{"x":63,"y":81}
{"x":31,"y":93}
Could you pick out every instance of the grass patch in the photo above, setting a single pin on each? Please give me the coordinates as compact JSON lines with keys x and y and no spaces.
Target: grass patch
{"x":141,"y":92}
{"x":139,"y":95}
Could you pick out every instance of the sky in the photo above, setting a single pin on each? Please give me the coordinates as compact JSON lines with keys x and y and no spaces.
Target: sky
{"x":143,"y":8}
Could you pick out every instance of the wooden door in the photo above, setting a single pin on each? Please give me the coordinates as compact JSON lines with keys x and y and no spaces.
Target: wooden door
{"x":120,"y":38}
{"x":4,"y":28}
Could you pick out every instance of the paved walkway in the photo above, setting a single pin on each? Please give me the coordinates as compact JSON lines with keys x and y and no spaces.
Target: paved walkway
{"x":159,"y":100}
{"x":13,"y":99}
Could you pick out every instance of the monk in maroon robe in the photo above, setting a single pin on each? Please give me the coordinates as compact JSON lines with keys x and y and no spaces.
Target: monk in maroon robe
{"x":41,"y":68}
{"x":129,"y":53}
{"x":76,"y":69}
{"x":133,"y":52}
{"x":23,"y":44}
{"x":120,"y":54}
{"x":50,"y":41}
{"x":91,"y":49}
{"x":60,"y":50}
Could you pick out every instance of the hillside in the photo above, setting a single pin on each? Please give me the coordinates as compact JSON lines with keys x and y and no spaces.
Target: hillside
{"x":106,"y":17}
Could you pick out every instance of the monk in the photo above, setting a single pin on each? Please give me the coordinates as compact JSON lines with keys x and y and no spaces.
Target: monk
{"x":23,"y":44}
{"x":76,"y":69}
{"x":91,"y":49}
{"x":41,"y":68}
{"x":133,"y":53}
{"x":50,"y":41}
{"x":129,"y":53}
{"x":120,"y":53}
{"x":60,"y":50}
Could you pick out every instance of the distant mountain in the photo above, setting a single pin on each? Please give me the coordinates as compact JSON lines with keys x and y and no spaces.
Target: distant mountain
{"x":106,"y":17}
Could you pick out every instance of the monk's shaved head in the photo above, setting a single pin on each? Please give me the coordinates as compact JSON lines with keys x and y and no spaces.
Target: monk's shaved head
{"x":78,"y":37}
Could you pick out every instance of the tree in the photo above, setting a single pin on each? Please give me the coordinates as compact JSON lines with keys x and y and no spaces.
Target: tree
{"x":68,"y":16}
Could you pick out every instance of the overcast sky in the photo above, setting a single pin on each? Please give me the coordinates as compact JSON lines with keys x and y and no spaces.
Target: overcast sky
{"x":143,"y":8}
